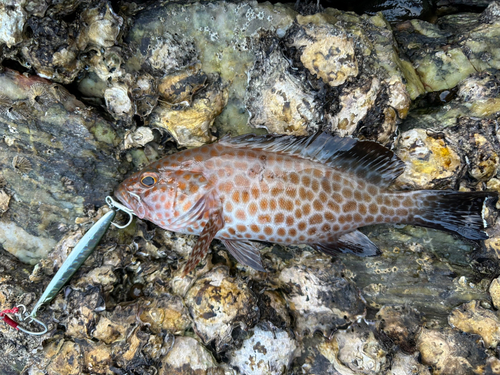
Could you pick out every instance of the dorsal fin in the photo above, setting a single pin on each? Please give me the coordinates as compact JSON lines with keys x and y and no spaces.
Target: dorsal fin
{"x":365,"y":159}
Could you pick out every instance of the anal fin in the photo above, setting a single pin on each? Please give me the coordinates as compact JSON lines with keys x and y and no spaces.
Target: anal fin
{"x":246,"y":253}
{"x":353,"y":242}
{"x":214,"y":224}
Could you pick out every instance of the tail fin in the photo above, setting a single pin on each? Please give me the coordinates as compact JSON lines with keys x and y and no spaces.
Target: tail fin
{"x":459,"y":212}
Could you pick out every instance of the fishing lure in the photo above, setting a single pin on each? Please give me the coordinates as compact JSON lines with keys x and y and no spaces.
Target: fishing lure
{"x":73,"y":262}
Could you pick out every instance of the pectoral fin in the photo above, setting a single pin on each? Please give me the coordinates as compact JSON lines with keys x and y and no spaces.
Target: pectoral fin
{"x":353,"y":242}
{"x":214,"y":224}
{"x":245,"y":252}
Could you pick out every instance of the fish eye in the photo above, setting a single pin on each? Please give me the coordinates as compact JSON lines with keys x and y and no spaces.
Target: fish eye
{"x":148,"y":181}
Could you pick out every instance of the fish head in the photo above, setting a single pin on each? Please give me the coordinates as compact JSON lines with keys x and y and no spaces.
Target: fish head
{"x":149,"y":193}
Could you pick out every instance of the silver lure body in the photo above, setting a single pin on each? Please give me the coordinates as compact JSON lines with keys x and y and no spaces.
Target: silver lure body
{"x":75,"y":259}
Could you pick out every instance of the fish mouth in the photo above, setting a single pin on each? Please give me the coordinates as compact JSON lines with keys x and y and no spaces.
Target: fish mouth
{"x":130,"y":200}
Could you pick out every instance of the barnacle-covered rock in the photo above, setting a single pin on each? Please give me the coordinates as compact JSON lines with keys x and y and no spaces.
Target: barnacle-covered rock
{"x":278,"y":100}
{"x":138,"y":138}
{"x":218,"y":304}
{"x":365,"y":105}
{"x":66,"y":358}
{"x":447,"y":53}
{"x":190,"y":125}
{"x":268,"y":352}
{"x":431,"y":266}
{"x":53,"y":51}
{"x":118,"y":102}
{"x":4,"y":202}
{"x":319,"y":295}
{"x":54,"y":152}
{"x":188,"y":356}
{"x":100,"y":26}
{"x":495,"y":292}
{"x":181,"y":86}
{"x":472,"y":318}
{"x":451,"y":353}
{"x":407,"y":364}
{"x":431,"y":162}
{"x":12,"y":20}
{"x":222,"y":36}
{"x":166,"y":312}
{"x":355,"y":351}
{"x":400,"y":324}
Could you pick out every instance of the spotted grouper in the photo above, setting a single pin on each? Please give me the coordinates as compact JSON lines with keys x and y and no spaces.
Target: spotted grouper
{"x":313,"y":190}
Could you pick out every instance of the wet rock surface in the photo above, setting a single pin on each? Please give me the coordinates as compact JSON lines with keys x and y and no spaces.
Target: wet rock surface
{"x":102,"y":88}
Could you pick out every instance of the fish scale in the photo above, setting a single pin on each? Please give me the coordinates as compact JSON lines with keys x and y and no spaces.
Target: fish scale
{"x":289,"y":190}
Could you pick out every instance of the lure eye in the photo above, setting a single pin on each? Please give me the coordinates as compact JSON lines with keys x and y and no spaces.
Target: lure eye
{"x":148,"y":181}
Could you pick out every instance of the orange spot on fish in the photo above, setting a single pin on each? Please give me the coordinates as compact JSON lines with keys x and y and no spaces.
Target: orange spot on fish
{"x":285,"y":204}
{"x":292,"y":232}
{"x":241,"y":215}
{"x":326,"y":186}
{"x":252,"y":208}
{"x":302,"y":225}
{"x":318,"y":173}
{"x":316,"y":219}
{"x":236,"y":197}
{"x":187,"y":206}
{"x":281,"y":232}
{"x":241,"y":228}
{"x":193,"y":188}
{"x":279,"y":218}
{"x":273,"y":205}
{"x":317,"y":205}
{"x":268,"y":230}
{"x":315,"y":185}
{"x":349,"y":206}
{"x":306,"y":209}
{"x":264,"y":219}
{"x":255,"y":228}
{"x":294,"y":178}
{"x":289,"y":220}
{"x":231,"y":231}
{"x":263,"y":203}
{"x":245,"y":196}
{"x":306,"y":181}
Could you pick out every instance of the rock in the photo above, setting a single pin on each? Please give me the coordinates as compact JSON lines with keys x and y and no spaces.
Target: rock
{"x":451,"y":352}
{"x":139,"y":138}
{"x":268,"y":352}
{"x":431,"y":162}
{"x":355,"y":351}
{"x":219,"y":304}
{"x":367,"y":107}
{"x":495,"y":292}
{"x":278,"y":100}
{"x":443,"y":56}
{"x":472,"y":318}
{"x":165,"y":313}
{"x":400,"y":324}
{"x":188,"y":356}
{"x":190,"y":126}
{"x":13,"y":17}
{"x":57,"y":151}
{"x":67,"y":359}
{"x":406,"y":364}
{"x":102,"y":26}
{"x":320,"y":298}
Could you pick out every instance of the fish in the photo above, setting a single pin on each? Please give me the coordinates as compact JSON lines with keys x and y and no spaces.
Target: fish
{"x":315,"y":190}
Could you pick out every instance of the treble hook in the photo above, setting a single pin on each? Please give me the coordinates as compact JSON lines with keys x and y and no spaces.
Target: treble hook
{"x":22,"y":317}
{"x":114,"y":204}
